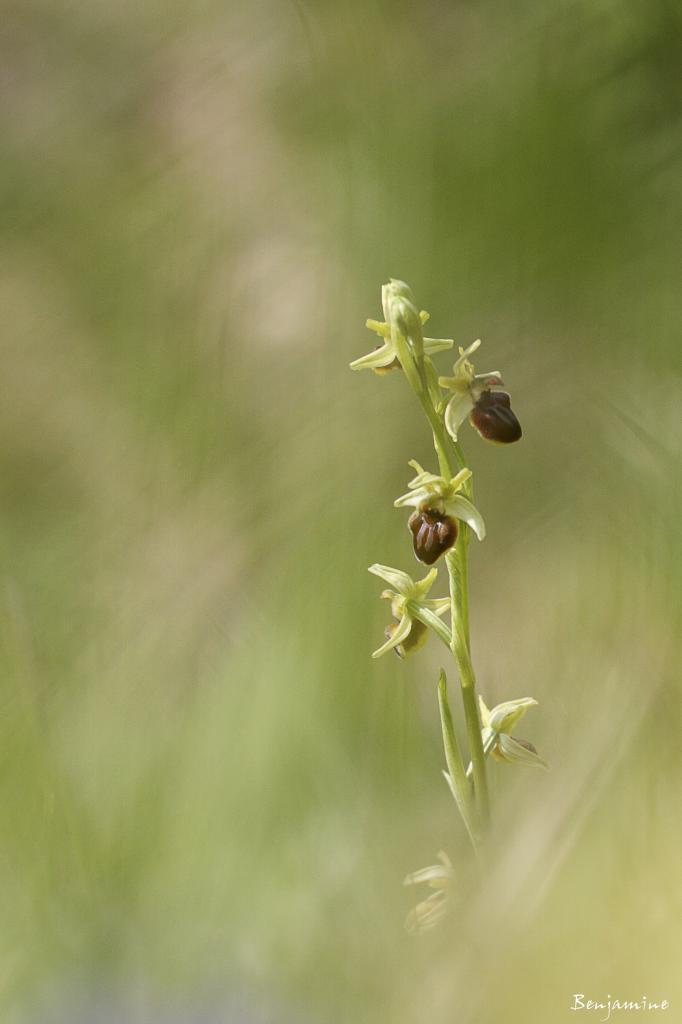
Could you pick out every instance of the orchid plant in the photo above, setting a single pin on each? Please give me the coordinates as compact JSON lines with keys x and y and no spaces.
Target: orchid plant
{"x":441,"y":522}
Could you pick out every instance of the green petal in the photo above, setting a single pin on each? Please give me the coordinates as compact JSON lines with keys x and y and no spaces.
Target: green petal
{"x":462,"y":508}
{"x":427,"y":914}
{"x":456,"y":411}
{"x":460,"y":479}
{"x":438,"y":605}
{"x":485,"y":381}
{"x":380,"y":357}
{"x":422,"y":588}
{"x":382,"y":329}
{"x":398,"y":579}
{"x":426,"y":479}
{"x":416,"y":466}
{"x":509,"y":749}
{"x":437,"y":876}
{"x":504,"y":717}
{"x":464,"y":353}
{"x":413,"y":498}
{"x":399,"y":634}
{"x":433,"y":345}
{"x":423,"y":476}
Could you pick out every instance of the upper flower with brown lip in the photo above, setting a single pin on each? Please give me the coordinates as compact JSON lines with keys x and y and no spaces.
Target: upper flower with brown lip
{"x":478,"y":396}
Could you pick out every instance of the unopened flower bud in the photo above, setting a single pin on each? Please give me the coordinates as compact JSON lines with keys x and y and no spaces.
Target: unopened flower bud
{"x":399,"y":307}
{"x":433,"y":533}
{"x":399,"y":310}
{"x":494,"y":419}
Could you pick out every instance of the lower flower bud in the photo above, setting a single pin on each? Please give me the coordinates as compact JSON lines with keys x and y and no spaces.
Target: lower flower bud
{"x":494,"y":418}
{"x":432,"y":534}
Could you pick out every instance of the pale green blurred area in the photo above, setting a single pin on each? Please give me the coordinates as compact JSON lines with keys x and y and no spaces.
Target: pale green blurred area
{"x":209,"y":794}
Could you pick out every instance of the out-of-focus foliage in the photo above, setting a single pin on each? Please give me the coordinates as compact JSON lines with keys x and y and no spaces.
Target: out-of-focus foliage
{"x":208,"y":793}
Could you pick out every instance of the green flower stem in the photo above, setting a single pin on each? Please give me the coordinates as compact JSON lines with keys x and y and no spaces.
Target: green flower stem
{"x":431,"y":620}
{"x":464,"y":538}
{"x":457,"y":564}
{"x":450,"y":458}
{"x":461,"y":788}
{"x":449,"y":454}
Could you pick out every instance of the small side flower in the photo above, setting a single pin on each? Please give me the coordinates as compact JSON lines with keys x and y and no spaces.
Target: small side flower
{"x":496,"y":727}
{"x":407,"y":598}
{"x":427,"y":913}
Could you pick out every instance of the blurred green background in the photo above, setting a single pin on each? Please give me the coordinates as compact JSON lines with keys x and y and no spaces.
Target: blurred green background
{"x":209,"y":794}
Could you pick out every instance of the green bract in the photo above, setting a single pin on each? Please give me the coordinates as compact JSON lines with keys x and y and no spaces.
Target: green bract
{"x":408,"y":598}
{"x":428,"y":491}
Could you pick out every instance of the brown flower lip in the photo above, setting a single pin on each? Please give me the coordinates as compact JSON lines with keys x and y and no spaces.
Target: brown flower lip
{"x":433,"y":533}
{"x":494,"y":418}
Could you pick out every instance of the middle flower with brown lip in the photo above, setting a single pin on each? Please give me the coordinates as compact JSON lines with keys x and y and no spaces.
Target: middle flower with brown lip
{"x":438,"y":506}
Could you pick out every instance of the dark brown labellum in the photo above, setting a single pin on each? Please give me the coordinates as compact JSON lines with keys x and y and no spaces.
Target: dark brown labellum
{"x":432,"y":534}
{"x":494,"y":419}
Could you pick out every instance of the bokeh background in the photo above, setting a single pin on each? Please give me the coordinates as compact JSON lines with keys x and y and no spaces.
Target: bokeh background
{"x":209,"y":794}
